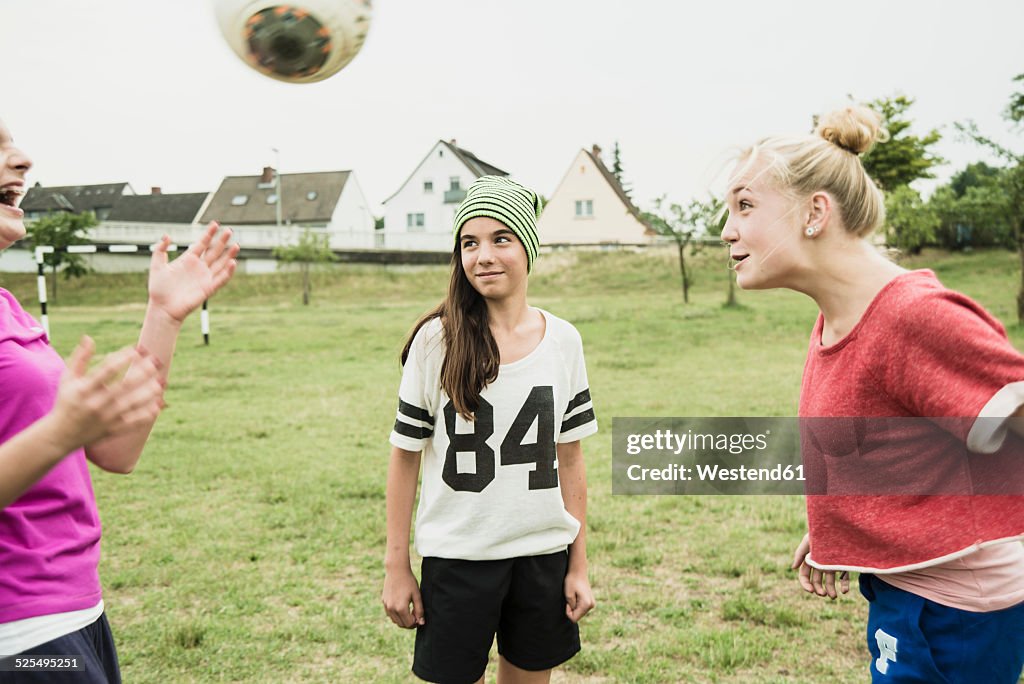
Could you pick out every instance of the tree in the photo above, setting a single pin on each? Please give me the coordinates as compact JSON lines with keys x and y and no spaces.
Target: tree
{"x":716,"y":229}
{"x":62,"y":230}
{"x":973,"y":175}
{"x":909,"y":223}
{"x":617,"y":171}
{"x":980,"y":217}
{"x":1012,"y":180}
{"x":903,"y":158}
{"x":684,"y":225}
{"x":312,"y":248}
{"x":1015,"y":110}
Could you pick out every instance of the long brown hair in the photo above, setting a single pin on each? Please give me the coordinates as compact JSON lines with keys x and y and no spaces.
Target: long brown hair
{"x":471,"y":356}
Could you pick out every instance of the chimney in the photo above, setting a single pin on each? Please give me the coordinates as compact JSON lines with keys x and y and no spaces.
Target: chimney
{"x":452,"y":142}
{"x":596,"y":151}
{"x":155,"y":190}
{"x":268,"y":175}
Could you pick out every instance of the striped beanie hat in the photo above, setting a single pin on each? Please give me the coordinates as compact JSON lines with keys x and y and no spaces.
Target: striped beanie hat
{"x":502,"y":199}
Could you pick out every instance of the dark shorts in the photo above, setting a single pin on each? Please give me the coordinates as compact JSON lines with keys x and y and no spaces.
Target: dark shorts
{"x":93,"y":645}
{"x":914,"y":640}
{"x":465,"y":603}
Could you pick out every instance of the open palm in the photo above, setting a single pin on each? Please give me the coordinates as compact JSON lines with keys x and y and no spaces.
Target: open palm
{"x":180,"y":286}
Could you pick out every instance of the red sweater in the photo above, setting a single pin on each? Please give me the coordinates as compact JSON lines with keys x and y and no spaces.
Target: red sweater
{"x":919,"y":351}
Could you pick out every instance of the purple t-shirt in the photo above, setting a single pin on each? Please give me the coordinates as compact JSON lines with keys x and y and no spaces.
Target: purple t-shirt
{"x":50,"y":536}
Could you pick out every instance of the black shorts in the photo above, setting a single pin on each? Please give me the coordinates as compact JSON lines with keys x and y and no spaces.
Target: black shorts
{"x":93,"y":648}
{"x":466,"y":602}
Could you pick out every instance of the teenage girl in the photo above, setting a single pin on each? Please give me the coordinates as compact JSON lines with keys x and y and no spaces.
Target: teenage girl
{"x":944,"y":574}
{"x":494,"y":400}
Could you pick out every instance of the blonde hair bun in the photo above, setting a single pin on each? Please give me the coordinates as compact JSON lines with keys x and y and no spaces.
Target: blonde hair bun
{"x":855,"y":129}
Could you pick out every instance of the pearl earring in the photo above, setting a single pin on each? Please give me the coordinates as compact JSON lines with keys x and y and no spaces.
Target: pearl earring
{"x":811,"y":230}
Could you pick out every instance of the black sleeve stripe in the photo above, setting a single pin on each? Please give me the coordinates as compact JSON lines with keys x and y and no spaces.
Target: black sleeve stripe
{"x":415,"y":412}
{"x":412,"y":430}
{"x":579,"y":419}
{"x":579,"y":400}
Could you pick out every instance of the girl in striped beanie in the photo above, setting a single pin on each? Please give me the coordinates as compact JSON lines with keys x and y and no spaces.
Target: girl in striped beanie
{"x":494,"y":401}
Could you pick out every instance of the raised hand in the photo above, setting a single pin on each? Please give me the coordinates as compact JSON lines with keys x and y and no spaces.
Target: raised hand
{"x":180,"y":286}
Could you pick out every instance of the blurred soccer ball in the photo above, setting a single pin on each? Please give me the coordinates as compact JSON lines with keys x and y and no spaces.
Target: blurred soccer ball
{"x":303,"y":42}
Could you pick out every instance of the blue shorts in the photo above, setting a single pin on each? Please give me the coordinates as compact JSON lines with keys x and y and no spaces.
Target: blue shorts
{"x":914,"y":640}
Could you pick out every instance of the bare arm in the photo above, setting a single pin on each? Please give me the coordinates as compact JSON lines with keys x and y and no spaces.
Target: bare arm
{"x":400,"y":588}
{"x":572,"y":479}
{"x":175,"y":290}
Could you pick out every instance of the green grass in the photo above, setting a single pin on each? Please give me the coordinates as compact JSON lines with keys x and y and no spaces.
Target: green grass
{"x":248,"y":544}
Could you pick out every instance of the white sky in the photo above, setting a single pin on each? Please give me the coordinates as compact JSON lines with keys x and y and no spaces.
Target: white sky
{"x":148,"y":92}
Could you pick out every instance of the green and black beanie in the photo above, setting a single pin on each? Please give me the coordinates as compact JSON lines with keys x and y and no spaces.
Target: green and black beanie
{"x":504,"y":200}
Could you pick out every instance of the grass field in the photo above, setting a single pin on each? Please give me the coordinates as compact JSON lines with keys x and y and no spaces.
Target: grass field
{"x":248,"y":544}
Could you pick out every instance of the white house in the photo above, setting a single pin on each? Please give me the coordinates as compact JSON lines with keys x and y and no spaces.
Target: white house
{"x":589,"y":206}
{"x":330,"y":202}
{"x":420,"y":215}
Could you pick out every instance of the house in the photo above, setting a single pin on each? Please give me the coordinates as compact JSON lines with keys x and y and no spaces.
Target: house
{"x":589,"y":206}
{"x":420,"y":215}
{"x":99,"y":199}
{"x":144,"y":219}
{"x":328,"y":201}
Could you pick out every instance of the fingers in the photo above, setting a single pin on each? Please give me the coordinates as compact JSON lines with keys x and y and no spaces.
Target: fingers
{"x":222,"y":256}
{"x":823,"y":582}
{"x":830,"y":584}
{"x":816,"y":581}
{"x":200,"y":246}
{"x":403,"y":617}
{"x":141,"y":393}
{"x":801,"y":551}
{"x":406,"y":612}
{"x":145,"y":414}
{"x":111,"y":367}
{"x":216,"y":247}
{"x":397,"y":617}
{"x":159,"y":257}
{"x":78,"y":363}
{"x":805,"y":578}
{"x":578,"y":604}
{"x":417,"y":609}
{"x":222,"y":276}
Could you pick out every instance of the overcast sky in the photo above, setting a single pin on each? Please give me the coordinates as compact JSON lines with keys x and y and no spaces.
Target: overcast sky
{"x":148,"y":92}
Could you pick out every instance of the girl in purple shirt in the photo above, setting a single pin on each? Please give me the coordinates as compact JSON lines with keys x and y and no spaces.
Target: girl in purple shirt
{"x":52,"y":419}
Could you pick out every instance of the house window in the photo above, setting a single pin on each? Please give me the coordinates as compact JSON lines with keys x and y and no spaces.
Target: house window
{"x":311,"y":195}
{"x":272,"y":198}
{"x":239,"y":200}
{"x":584,"y":208}
{"x":428,"y":186}
{"x":414,"y":222}
{"x":456,"y":184}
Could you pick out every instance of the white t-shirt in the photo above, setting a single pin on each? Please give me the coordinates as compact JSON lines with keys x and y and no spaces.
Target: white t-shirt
{"x":494,"y":493}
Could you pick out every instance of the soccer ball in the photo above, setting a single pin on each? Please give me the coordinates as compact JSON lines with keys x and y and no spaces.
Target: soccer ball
{"x":299,"y":43}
